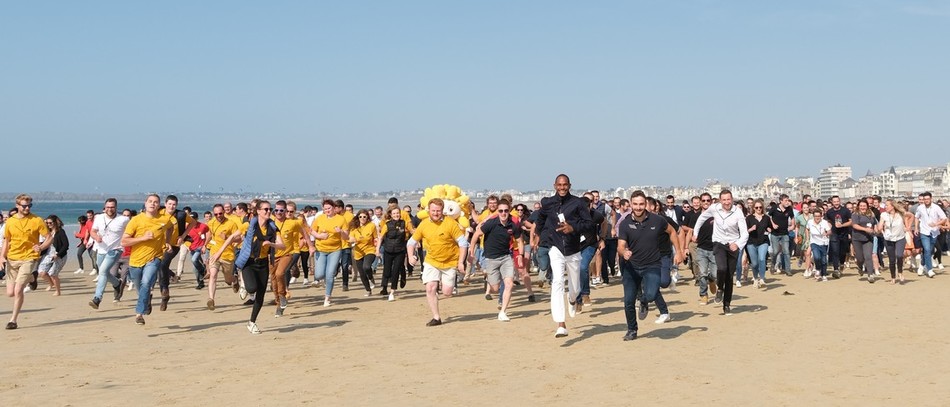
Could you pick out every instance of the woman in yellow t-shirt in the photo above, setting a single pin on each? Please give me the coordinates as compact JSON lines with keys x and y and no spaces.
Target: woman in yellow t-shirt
{"x":363,"y":237}
{"x":329,"y":230}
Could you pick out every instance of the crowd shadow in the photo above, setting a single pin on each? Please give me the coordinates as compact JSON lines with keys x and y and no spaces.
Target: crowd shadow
{"x":589,"y":331}
{"x":83,"y":320}
{"x":673,"y":332}
{"x":312,"y":325}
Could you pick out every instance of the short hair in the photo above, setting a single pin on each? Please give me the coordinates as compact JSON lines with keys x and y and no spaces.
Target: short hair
{"x":281,"y":203}
{"x":565,"y":177}
{"x":338,"y":203}
{"x":638,"y":194}
{"x":393,"y":200}
{"x":157,"y":198}
{"x":292,"y":204}
{"x":705,"y":194}
{"x":328,"y":202}
{"x":113,"y":200}
{"x":927,"y":195}
{"x":437,"y":202}
{"x":82,"y":218}
{"x":378,"y":208}
{"x":504,"y":202}
{"x":724,"y":192}
{"x":208,"y":213}
{"x":348,"y":206}
{"x":833,"y":197}
{"x":186,"y":209}
{"x":217,"y":205}
{"x":783,"y":196}
{"x":492,"y":197}
{"x":242,"y":206}
{"x":624,"y":201}
{"x":23,"y":197}
{"x":694,"y":197}
{"x":171,"y":198}
{"x":671,"y":197}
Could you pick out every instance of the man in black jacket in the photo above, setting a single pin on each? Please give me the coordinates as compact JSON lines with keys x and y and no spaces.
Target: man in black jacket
{"x":563,"y":219}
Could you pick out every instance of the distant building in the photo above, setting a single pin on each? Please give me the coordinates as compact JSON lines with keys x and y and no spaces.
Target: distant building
{"x":830,"y":178}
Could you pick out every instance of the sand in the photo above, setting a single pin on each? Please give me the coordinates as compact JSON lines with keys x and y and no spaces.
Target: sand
{"x":843,"y":342}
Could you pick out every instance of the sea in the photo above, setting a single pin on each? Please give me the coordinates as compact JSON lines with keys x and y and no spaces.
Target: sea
{"x":69,"y":212}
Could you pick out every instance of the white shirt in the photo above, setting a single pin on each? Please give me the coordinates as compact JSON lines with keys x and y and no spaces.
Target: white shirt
{"x":817,"y":231}
{"x":928,"y":215}
{"x":728,"y":227}
{"x":110,"y":230}
{"x":893,"y":227}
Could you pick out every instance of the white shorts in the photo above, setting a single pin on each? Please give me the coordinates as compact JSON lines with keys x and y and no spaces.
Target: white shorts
{"x":431,"y":273}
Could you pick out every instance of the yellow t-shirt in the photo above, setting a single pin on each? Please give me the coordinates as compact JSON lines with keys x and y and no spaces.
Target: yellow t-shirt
{"x":365,"y":240}
{"x":144,"y":252}
{"x":23,"y":233}
{"x":322,"y":224}
{"x":219,"y":232}
{"x":348,"y":217}
{"x":243,"y":226}
{"x":289,"y":231}
{"x":440,"y":241}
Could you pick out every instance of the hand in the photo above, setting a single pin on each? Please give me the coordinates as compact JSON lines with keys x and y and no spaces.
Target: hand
{"x":471,"y":252}
{"x":627,"y":254}
{"x":564,"y":228}
{"x":461,"y":268}
{"x":265,"y":244}
{"x":36,"y":248}
{"x":413,"y":260}
{"x":322,"y":235}
{"x":752,"y":228}
{"x":149,"y":235}
{"x":337,"y":229}
{"x":3,"y":263}
{"x":680,"y":257}
{"x":692,"y":238}
{"x":168,"y":248}
{"x":733,"y":247}
{"x":181,"y":240}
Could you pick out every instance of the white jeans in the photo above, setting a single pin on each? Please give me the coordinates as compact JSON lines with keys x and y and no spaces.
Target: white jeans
{"x":559,"y":265}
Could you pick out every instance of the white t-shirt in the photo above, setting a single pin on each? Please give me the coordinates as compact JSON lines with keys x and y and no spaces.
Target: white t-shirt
{"x":893,"y":227}
{"x":817,"y":232}
{"x":110,"y":230}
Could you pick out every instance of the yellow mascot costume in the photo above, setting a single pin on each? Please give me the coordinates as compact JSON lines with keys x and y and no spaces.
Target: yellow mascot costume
{"x":456,"y":203}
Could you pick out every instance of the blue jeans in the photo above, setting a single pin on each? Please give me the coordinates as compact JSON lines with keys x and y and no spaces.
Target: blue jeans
{"x":643,"y":280}
{"x":198,"y":261}
{"x":757,"y":255}
{"x":587,"y":254}
{"x":779,"y":251}
{"x":707,"y":269}
{"x":106,"y":262}
{"x":819,"y":255}
{"x":927,"y":243}
{"x":544,"y":263}
{"x":144,"y":279}
{"x":666,"y":267}
{"x":324,"y":268}
{"x":739,"y":264}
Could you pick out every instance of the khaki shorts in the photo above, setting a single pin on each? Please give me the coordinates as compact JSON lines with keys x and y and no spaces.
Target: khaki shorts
{"x":21,"y":271}
{"x":498,"y":269}
{"x":431,"y":273}
{"x":223,"y":267}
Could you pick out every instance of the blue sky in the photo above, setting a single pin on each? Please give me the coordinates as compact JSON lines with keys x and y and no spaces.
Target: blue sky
{"x":366,"y":96}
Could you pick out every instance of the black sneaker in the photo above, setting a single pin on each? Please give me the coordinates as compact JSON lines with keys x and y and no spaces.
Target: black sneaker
{"x":644,"y":310}
{"x":346,"y":288}
{"x":488,"y":297}
{"x":434,"y":322}
{"x":95,"y":302}
{"x":631,"y":335}
{"x":118,"y":290}
{"x":531,"y":298}
{"x":719,"y":297}
{"x":249,"y":302}
{"x":836,"y":274}
{"x":200,"y":286}
{"x":140,"y":320}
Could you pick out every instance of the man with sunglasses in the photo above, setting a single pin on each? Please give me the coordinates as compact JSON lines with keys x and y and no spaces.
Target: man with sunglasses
{"x":21,"y":249}
{"x":701,"y":248}
{"x":222,"y":233}
{"x":498,"y":231}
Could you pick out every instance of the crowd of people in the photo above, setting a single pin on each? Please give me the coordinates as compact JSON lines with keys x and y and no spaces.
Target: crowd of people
{"x":572,"y":242}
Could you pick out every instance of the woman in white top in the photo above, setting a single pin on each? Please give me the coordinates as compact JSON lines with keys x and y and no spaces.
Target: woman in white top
{"x":818,"y":231}
{"x":895,"y":232}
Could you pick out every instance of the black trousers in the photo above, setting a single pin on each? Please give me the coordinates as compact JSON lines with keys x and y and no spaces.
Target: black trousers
{"x":165,"y":272}
{"x":838,"y":247}
{"x":364,"y":266}
{"x":256,"y":273}
{"x":394,"y":269}
{"x":725,"y":270}
{"x":608,"y":259}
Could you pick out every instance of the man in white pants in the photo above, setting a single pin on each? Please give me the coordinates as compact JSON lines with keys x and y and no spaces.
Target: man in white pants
{"x":563,"y":220}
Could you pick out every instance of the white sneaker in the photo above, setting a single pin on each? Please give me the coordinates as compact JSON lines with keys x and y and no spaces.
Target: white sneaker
{"x":305,"y":283}
{"x":664,"y":318}
{"x":95,"y":279}
{"x":877,"y":272}
{"x":252,"y":328}
{"x":534,"y":269}
{"x":92,"y":272}
{"x":738,"y":284}
{"x":502,"y":316}
{"x":293,"y":280}
{"x":571,"y":309}
{"x":824,"y":278}
{"x":243,"y":293}
{"x":561,"y":332}
{"x":920,"y":271}
{"x":78,"y":271}
{"x":326,"y":302}
{"x":807,"y":273}
{"x":755,"y":283}
{"x":130,"y":287}
{"x":27,"y":289}
{"x":674,"y":277}
{"x":392,"y":296}
{"x":931,"y":274}
{"x":368,"y":293}
{"x":372,"y":285}
{"x":940,"y":266}
{"x":761,"y":283}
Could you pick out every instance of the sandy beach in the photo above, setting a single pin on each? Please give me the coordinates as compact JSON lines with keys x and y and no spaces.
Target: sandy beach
{"x":843,"y":342}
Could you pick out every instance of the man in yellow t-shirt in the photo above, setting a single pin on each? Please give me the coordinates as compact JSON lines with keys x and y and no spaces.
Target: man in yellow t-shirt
{"x":223,"y":232}
{"x":149,"y":236}
{"x":20,"y":252}
{"x":445,"y":244}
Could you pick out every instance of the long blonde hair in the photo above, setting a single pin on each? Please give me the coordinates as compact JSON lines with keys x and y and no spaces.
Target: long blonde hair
{"x":898,"y":207}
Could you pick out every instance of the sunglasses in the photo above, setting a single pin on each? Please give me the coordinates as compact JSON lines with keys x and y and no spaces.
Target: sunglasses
{"x":758,"y":207}
{"x":503,"y":211}
{"x":363,"y":217}
{"x":706,"y":200}
{"x":219,"y":214}
{"x":29,"y":205}
{"x":279,"y":210}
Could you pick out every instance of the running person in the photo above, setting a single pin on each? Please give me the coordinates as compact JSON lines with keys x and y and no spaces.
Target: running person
{"x":256,"y":259}
{"x":445,"y":246}
{"x":149,"y":235}
{"x":21,"y":250}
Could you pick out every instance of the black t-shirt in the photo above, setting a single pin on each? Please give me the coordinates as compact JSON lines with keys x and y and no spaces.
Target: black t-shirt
{"x":498,"y":237}
{"x":593,"y":236}
{"x":665,"y":244}
{"x":843,"y":215}
{"x":780,"y":217}
{"x":643,"y":238}
{"x":690,"y":218}
{"x":760,"y":234}
{"x":704,"y":239}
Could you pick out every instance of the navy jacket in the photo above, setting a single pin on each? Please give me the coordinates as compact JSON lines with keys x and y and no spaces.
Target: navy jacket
{"x":576,"y":212}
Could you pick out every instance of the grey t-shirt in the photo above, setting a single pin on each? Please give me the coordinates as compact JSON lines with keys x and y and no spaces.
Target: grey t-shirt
{"x":862,"y":220}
